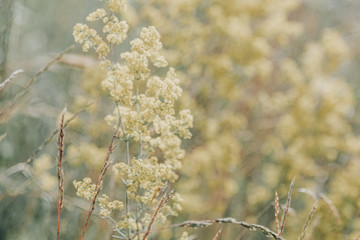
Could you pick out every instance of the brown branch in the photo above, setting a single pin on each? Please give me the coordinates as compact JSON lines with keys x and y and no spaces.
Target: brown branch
{"x":163,"y":200}
{"x":60,"y":172}
{"x":287,"y":207}
{"x":101,"y":177}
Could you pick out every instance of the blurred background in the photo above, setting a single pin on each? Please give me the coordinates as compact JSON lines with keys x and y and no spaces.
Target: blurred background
{"x":273,"y":87}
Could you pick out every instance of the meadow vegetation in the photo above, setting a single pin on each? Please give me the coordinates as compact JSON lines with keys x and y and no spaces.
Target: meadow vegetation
{"x":179,"y":120}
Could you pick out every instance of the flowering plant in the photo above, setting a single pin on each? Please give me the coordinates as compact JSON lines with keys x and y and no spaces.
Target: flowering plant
{"x":144,"y":116}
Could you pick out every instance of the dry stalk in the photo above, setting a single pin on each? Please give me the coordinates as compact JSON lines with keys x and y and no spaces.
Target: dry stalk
{"x":328,"y":201}
{"x":277,"y":212}
{"x":163,"y":200}
{"x":60,"y":173}
{"x":99,"y":182}
{"x":287,"y":207}
{"x":332,"y":207}
{"x":217,"y":234}
{"x":314,"y":224}
{"x":252,"y":227}
{"x":303,"y":232}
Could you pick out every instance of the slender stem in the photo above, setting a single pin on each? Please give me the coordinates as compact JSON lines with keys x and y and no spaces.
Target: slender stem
{"x":139,"y":113}
{"x":163,"y":200}
{"x":106,"y":165}
{"x":115,"y":230}
{"x":60,"y":173}
{"x":126,"y":194}
{"x":287,"y":207}
{"x":277,"y":212}
{"x":207,"y":223}
{"x":127,"y":151}
{"x":137,"y":213}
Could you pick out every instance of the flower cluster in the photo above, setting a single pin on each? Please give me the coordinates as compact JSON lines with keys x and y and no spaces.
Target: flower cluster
{"x":85,"y":188}
{"x":114,"y":30}
{"x":145,"y":111}
{"x":107,"y":207}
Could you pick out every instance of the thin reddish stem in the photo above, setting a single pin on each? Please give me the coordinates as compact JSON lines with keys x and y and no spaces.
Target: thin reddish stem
{"x":60,"y":173}
{"x":100,"y":178}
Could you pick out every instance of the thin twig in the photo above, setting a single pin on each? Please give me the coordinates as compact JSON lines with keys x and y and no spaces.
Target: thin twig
{"x":163,"y":200}
{"x":60,"y":172}
{"x":287,"y":207}
{"x":217,"y":234}
{"x":101,"y":177}
{"x":9,"y":79}
{"x":277,"y":212}
{"x":303,"y":232}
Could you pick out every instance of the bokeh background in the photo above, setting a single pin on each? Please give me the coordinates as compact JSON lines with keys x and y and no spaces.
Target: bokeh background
{"x":273,"y":86}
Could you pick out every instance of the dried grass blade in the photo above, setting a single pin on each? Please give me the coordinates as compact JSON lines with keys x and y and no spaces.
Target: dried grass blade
{"x":313,"y":226}
{"x":60,"y":173}
{"x":9,"y":79}
{"x":277,"y":212}
{"x":303,"y":232}
{"x":206,"y":223}
{"x":287,"y":207}
{"x":332,"y":207}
